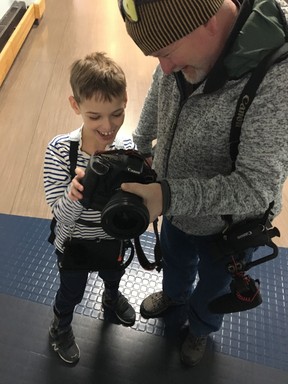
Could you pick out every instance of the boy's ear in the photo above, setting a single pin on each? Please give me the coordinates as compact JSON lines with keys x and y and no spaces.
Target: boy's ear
{"x":74,"y":105}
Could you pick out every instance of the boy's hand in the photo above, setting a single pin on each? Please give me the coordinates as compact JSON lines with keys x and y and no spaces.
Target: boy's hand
{"x":151,"y":195}
{"x":76,"y":187}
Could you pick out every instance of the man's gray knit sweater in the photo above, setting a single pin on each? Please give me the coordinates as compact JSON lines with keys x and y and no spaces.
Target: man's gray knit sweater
{"x":192,"y":152}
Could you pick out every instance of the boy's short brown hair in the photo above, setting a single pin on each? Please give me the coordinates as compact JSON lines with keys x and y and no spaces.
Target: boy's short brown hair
{"x":97,"y":76}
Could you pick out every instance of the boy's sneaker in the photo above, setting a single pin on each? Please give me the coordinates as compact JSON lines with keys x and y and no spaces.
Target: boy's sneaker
{"x":155,"y":304}
{"x":63,"y":342}
{"x":193,"y":349}
{"x":121,"y":307}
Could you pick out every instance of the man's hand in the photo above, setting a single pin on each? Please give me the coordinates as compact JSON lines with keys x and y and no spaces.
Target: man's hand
{"x":77,"y":188}
{"x":151,"y":195}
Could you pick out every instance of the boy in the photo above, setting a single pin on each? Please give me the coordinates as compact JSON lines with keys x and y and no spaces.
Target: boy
{"x":99,"y":96}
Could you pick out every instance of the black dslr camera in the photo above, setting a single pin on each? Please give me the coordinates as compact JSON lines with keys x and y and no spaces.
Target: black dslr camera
{"x":123,"y":214}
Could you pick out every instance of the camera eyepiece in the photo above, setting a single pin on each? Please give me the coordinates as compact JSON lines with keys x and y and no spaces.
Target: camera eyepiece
{"x":99,"y":166}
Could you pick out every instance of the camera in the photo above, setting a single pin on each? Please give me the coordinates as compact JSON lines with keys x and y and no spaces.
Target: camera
{"x":123,"y":214}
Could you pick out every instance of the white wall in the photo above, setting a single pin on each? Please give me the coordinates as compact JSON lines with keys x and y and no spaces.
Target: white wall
{"x":6,"y":4}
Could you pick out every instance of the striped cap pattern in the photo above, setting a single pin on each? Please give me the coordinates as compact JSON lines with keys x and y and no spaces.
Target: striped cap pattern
{"x":162,"y":22}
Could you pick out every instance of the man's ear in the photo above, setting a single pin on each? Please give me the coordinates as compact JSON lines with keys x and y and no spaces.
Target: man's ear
{"x":74,"y":105}
{"x":125,"y":98}
{"x":211,"y":26}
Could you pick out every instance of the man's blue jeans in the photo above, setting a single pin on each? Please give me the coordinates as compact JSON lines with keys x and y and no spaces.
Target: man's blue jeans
{"x":183,"y":257}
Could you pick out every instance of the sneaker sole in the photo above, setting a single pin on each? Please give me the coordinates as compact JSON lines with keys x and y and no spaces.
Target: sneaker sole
{"x":130,"y":323}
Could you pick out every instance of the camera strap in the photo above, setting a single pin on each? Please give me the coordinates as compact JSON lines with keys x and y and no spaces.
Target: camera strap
{"x":245,"y":100}
{"x":245,"y":293}
{"x":143,"y":260}
{"x":248,"y":94}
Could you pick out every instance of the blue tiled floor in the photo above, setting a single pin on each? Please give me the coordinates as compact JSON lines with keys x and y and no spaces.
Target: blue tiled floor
{"x":28,"y":271}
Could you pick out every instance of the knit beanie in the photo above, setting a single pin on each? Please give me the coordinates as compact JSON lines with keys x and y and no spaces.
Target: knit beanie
{"x":154,"y":24}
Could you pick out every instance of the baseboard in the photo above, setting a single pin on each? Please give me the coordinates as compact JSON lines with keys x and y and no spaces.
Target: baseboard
{"x":9,"y":53}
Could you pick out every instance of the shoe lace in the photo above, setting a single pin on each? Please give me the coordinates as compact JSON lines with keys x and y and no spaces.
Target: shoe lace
{"x":160,"y":297}
{"x":122,"y":304}
{"x":197,"y":342}
{"x":66,"y":339}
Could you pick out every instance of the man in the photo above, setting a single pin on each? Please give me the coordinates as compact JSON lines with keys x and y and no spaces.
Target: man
{"x":207,"y":51}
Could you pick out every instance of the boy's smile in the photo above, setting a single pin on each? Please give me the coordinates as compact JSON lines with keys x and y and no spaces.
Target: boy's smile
{"x":102,"y":120}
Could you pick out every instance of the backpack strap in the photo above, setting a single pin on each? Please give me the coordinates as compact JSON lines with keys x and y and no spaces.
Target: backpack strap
{"x":52,"y":236}
{"x":73,"y":155}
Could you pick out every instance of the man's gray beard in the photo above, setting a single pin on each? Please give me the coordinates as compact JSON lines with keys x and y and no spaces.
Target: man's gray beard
{"x":198,"y":78}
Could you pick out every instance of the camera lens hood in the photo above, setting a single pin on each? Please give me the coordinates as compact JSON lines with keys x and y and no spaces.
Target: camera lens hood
{"x":125,"y":216}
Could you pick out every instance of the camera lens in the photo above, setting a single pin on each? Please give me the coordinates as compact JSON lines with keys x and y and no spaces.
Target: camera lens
{"x":125,"y":216}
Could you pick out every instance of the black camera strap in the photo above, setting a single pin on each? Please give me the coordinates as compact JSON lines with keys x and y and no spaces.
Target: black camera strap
{"x":245,"y":293}
{"x":245,"y":100}
{"x":254,"y":232}
{"x":143,"y":260}
{"x":248,"y":94}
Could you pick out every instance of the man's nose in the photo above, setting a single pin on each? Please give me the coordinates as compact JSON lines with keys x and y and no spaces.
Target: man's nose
{"x":166,"y":65}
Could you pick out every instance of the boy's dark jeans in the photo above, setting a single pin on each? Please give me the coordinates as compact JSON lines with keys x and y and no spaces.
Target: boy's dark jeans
{"x":72,"y":288}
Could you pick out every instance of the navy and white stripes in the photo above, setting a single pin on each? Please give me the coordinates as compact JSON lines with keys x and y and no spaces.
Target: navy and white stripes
{"x":57,"y":181}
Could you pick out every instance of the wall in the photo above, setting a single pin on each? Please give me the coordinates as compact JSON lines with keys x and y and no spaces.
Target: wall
{"x":6,"y":4}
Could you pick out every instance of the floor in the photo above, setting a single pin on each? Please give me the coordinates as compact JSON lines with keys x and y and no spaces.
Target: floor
{"x":251,"y":346}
